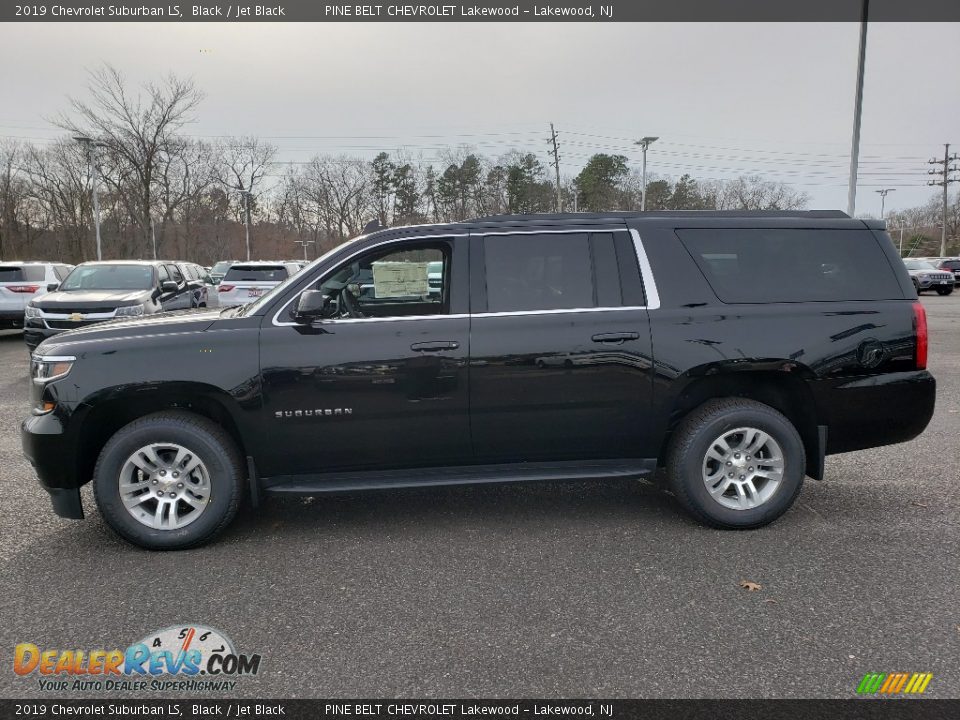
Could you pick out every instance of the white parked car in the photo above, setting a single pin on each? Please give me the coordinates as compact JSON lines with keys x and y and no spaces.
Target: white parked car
{"x":21,"y":282}
{"x":246,"y":281}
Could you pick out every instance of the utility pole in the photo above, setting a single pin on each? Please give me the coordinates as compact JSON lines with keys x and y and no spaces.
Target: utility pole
{"x":246,"y":215}
{"x":883,"y":198}
{"x":644,"y":143}
{"x":556,"y":166}
{"x":93,"y":157}
{"x":857,"y":111}
{"x":153,"y":236}
{"x":945,"y":182}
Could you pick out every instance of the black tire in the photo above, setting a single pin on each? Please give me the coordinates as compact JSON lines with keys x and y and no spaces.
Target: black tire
{"x":944,"y":291}
{"x":692,"y":440}
{"x":201,"y":436}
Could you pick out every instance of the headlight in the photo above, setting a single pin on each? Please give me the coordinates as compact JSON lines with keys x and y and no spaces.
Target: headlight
{"x":130,"y":311}
{"x":31,"y":312}
{"x":924,"y":276}
{"x":50,"y":368}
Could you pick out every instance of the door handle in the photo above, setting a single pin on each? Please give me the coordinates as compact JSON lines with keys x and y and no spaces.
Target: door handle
{"x":435,"y":346}
{"x":615,"y":338}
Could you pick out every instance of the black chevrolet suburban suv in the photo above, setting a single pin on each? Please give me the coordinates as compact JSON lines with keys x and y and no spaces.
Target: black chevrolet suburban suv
{"x":735,"y":349}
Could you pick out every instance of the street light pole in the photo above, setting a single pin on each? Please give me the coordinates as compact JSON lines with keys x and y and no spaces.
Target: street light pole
{"x":857,"y":111}
{"x":93,"y":158}
{"x":246,"y":213}
{"x":644,"y":143}
{"x":883,"y":198}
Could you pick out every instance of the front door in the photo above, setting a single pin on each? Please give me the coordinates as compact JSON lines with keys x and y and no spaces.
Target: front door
{"x":381,"y":380}
{"x":561,"y":352}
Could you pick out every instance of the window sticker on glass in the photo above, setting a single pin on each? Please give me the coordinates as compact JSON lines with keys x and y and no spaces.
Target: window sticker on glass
{"x":400,"y":279}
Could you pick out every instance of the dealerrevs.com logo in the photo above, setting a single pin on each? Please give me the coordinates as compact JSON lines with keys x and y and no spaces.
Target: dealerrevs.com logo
{"x":181,"y":657}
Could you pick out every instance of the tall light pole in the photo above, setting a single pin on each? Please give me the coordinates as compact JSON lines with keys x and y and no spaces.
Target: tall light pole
{"x":246,"y":212}
{"x":883,"y":198}
{"x":644,"y":143}
{"x":857,"y":111}
{"x":304,"y":243}
{"x":93,"y":157}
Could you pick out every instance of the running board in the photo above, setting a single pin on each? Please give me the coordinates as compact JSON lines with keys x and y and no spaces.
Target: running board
{"x":461,"y":475}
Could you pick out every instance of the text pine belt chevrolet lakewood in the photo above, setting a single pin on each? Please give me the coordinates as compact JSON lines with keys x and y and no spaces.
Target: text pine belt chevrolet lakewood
{"x":735,"y":349}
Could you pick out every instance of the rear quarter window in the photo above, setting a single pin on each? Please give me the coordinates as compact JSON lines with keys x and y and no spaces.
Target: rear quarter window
{"x":761,"y":266}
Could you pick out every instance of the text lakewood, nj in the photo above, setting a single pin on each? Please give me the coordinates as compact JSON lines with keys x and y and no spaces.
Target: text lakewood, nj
{"x":466,"y":11}
{"x":226,"y":11}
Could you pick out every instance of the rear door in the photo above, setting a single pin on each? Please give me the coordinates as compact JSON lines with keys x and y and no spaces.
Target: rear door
{"x":560,"y":346}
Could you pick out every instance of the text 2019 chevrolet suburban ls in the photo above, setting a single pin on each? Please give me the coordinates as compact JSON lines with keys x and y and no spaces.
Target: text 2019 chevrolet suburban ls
{"x":735,"y":349}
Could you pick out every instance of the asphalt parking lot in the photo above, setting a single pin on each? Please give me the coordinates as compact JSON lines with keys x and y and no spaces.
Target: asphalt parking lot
{"x":574,"y":589}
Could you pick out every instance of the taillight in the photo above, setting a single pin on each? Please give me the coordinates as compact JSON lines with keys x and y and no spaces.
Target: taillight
{"x":920,"y":325}
{"x":23,"y":288}
{"x":224,"y":288}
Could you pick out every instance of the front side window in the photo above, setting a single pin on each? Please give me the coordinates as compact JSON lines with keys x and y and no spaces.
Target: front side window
{"x":175,"y":273}
{"x":394,"y":283}
{"x":549,"y":271}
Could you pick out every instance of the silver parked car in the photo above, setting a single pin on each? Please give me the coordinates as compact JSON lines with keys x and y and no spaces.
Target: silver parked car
{"x":21,"y":282}
{"x":926,"y":276}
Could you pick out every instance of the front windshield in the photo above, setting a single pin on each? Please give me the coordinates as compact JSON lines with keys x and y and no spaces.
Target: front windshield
{"x":267,"y":297}
{"x":919,"y":265}
{"x":109,"y":277}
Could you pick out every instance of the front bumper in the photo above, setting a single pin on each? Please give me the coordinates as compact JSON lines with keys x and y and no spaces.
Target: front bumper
{"x":935,"y":283}
{"x":49,"y":448}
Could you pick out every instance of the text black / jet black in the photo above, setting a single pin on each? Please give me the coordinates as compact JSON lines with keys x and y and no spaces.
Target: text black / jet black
{"x":735,"y":349}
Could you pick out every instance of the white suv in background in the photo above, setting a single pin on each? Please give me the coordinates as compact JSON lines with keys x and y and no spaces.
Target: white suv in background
{"x":244,"y":282}
{"x":21,"y":282}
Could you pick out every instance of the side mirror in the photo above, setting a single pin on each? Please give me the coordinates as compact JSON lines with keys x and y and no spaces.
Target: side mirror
{"x":169,"y":286}
{"x":310,"y":307}
{"x":51,"y":287}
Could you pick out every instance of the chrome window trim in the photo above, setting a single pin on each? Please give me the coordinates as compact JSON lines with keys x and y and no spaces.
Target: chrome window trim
{"x":646,"y":275}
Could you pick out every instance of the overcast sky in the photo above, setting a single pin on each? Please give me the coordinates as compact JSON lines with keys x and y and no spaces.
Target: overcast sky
{"x":725,"y":99}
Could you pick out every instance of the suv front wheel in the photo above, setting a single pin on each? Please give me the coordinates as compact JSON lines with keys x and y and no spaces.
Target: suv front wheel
{"x":736,"y":463}
{"x":169,"y":481}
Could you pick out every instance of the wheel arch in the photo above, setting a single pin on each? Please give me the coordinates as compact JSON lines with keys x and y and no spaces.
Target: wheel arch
{"x":781,"y":385}
{"x":111,"y":409}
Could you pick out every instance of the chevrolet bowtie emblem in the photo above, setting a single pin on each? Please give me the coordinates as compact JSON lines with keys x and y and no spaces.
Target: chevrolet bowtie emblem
{"x":76,"y":316}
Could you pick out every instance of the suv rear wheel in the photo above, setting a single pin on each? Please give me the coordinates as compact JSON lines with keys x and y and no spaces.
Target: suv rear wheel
{"x":736,"y":463}
{"x":169,"y":481}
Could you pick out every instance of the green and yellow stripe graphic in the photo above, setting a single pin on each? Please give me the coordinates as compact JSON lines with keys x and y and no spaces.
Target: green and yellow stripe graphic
{"x":894,"y":683}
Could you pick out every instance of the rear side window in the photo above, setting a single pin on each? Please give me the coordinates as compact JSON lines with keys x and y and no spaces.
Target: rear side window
{"x":761,"y":266}
{"x":19,"y":273}
{"x":538,"y":272}
{"x":256,"y":273}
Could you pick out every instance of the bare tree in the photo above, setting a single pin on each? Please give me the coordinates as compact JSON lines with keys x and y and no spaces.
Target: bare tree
{"x":754,"y":193}
{"x":138,"y":130}
{"x":60,"y":182}
{"x":243,"y":166}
